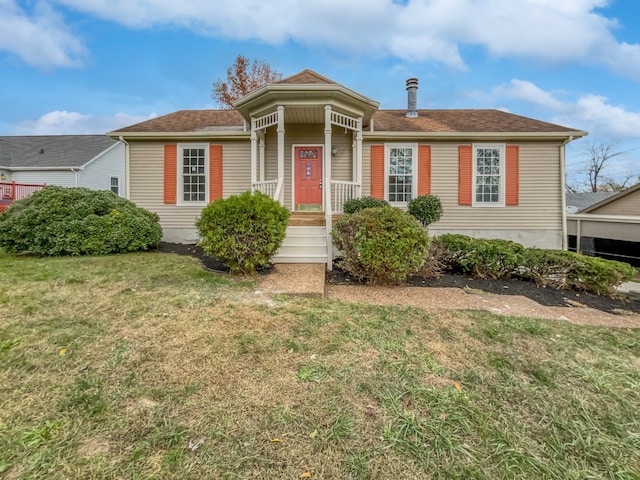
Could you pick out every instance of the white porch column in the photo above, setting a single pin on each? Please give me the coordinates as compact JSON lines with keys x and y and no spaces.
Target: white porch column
{"x":358,"y":157}
{"x":281,"y":150}
{"x":262,"y":159}
{"x":254,"y":153}
{"x":326,"y":185}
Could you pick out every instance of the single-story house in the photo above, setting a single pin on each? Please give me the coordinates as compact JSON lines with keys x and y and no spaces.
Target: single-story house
{"x":312,"y":144}
{"x":92,"y":161}
{"x":609,"y":228}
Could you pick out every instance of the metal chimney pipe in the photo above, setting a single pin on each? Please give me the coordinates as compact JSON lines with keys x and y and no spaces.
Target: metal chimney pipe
{"x":412,"y":98}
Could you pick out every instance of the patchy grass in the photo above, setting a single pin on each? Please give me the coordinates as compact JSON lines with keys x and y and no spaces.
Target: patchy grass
{"x":145,"y":365}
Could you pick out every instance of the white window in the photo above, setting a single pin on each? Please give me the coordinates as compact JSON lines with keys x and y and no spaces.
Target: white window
{"x":488,"y":175}
{"x":193,"y":173}
{"x":401,"y":163}
{"x":115,"y":185}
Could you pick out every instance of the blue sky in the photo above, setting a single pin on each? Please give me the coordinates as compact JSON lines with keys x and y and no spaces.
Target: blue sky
{"x":90,"y":66}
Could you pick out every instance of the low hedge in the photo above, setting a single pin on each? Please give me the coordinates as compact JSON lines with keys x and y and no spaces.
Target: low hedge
{"x":563,"y":269}
{"x":480,"y":257}
{"x":497,"y":259}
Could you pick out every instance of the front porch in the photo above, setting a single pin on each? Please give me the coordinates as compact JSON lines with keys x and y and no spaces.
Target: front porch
{"x":312,"y":169}
{"x":306,"y":150}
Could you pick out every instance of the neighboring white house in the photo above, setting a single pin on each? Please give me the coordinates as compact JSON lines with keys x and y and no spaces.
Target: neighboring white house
{"x":92,"y":161}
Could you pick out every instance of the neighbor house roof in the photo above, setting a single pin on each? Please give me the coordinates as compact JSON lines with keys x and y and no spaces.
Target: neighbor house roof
{"x":612,"y":198}
{"x":51,"y":151}
{"x":582,"y":200}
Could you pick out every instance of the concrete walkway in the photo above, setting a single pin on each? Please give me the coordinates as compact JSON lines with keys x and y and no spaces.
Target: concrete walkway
{"x":308,"y":280}
{"x":300,"y":279}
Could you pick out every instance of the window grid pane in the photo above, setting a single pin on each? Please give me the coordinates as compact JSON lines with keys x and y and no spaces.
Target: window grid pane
{"x":400,"y":174}
{"x":193,"y":175}
{"x":487,"y":175}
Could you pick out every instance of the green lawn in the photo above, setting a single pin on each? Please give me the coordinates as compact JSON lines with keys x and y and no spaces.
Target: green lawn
{"x":111,"y":367}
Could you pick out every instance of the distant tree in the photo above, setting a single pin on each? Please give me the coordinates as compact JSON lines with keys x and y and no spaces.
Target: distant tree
{"x":243,"y":77}
{"x":598,"y":158}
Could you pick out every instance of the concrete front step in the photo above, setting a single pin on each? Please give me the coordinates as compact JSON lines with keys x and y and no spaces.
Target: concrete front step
{"x":300,"y":258}
{"x":303,"y":244}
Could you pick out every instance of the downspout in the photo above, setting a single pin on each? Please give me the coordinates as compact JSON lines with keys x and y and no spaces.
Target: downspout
{"x":126,"y":168}
{"x":75,"y":170}
{"x":563,"y":187}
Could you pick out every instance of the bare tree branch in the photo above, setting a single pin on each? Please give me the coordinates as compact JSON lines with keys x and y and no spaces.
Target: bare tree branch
{"x":598,"y":158}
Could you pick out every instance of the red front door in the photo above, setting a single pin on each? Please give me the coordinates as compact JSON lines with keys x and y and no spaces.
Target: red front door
{"x":308,"y":178}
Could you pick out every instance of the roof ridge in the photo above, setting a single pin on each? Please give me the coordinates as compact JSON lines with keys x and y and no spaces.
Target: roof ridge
{"x":295,"y":78}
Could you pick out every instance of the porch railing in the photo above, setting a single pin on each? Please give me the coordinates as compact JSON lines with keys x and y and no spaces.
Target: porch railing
{"x":272,"y":188}
{"x":341,"y":192}
{"x":12,"y":191}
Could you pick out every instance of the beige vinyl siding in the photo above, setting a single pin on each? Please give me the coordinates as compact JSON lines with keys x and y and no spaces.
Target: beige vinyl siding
{"x":307,"y":134}
{"x":147,"y":180}
{"x":627,"y":205}
{"x":540,"y":190}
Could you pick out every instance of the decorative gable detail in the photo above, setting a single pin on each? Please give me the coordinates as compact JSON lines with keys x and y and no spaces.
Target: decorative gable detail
{"x":170,"y":173}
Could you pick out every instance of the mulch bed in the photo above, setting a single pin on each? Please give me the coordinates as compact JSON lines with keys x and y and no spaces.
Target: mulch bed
{"x":544,"y":296}
{"x":547,"y":296}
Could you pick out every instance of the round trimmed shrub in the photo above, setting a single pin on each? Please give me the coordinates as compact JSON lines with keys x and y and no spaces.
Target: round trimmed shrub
{"x":381,"y":245}
{"x":356,"y":204}
{"x":244,"y":231}
{"x":77,"y":221}
{"x":425,"y":208}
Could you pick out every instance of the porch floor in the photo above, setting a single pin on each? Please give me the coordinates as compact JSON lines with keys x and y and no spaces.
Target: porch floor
{"x":307,"y":219}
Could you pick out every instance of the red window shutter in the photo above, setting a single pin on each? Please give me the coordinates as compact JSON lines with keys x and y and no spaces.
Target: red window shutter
{"x":377,"y":171}
{"x":512,"y":175}
{"x":465,"y":172}
{"x":424,"y":169}
{"x":215,"y":172}
{"x":170,"y":173}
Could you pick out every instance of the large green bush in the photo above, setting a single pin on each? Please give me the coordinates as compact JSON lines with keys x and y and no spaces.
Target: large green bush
{"x":425,"y":208}
{"x":77,"y":221}
{"x":381,"y":245}
{"x":244,"y":230}
{"x":356,"y":204}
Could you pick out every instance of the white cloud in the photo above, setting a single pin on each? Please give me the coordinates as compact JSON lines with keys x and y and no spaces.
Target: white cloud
{"x":418,"y":30}
{"x":593,"y":113}
{"x":525,"y":90}
{"x":40,"y":37}
{"x":68,"y":123}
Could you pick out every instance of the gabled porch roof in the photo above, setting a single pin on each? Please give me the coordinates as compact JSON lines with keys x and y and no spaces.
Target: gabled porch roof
{"x":304,"y":96}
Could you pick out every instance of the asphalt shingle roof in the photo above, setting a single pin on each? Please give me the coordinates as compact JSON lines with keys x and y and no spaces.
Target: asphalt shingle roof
{"x":582,"y":200}
{"x":51,"y":150}
{"x":428,"y":121}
